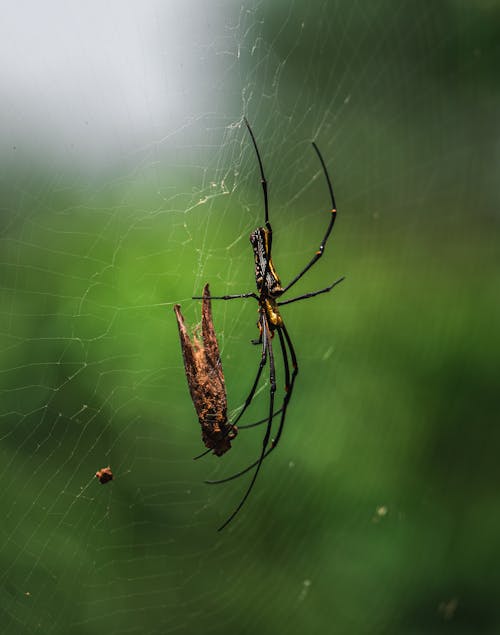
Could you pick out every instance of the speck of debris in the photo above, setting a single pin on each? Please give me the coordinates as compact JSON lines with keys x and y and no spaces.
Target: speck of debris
{"x":380,"y":512}
{"x":306,"y":585}
{"x":447,"y":609}
{"x":104,"y":475}
{"x":327,"y":353}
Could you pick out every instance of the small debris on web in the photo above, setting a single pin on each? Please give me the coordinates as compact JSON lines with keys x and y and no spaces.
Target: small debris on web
{"x":447,"y":609}
{"x":380,"y":512}
{"x":104,"y":475}
{"x":327,"y":354}
{"x":306,"y":585}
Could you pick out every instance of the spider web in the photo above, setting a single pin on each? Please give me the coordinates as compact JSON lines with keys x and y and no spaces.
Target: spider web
{"x":128,"y":181}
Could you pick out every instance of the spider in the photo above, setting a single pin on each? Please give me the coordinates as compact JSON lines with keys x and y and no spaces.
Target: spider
{"x":270,"y":322}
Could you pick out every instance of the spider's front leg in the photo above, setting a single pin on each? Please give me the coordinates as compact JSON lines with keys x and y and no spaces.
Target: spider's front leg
{"x":333,"y":216}
{"x":227,"y":297}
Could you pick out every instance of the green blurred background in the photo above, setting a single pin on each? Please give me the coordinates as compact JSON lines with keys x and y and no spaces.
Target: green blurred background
{"x":128,"y":181}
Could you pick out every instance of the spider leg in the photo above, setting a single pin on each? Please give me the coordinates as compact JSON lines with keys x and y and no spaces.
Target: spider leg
{"x":245,"y":427}
{"x":288,"y":395}
{"x":313,"y":293}
{"x":227,"y":297}
{"x":285,"y":361}
{"x":321,"y":247}
{"x":258,"y":423}
{"x":199,"y":456}
{"x":262,"y":363}
{"x":262,"y":177}
{"x":258,"y":341}
{"x":265,"y":442}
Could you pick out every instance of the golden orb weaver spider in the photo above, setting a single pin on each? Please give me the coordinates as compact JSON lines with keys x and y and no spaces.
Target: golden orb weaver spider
{"x":269,"y":290}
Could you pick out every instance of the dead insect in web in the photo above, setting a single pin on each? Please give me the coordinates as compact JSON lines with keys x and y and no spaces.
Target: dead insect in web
{"x":205,"y":379}
{"x":104,"y":475}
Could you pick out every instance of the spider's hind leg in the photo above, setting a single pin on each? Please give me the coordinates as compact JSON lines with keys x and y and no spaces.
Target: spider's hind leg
{"x":283,"y":409}
{"x":265,"y":441}
{"x":258,"y":340}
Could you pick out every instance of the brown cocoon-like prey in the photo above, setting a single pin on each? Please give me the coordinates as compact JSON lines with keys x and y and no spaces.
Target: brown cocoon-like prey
{"x":205,"y":379}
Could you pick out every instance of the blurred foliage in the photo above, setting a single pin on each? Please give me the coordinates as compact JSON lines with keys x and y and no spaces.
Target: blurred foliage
{"x":378,"y":514}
